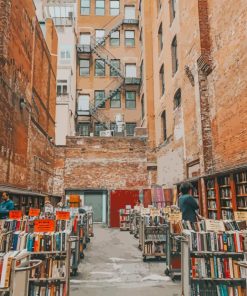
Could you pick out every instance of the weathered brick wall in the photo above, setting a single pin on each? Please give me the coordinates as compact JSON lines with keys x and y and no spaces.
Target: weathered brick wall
{"x":101,"y":163}
{"x":228,"y":82}
{"x":26,"y":154}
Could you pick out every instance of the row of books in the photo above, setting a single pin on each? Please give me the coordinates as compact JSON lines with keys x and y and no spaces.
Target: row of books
{"x":211,"y":193}
{"x":154,"y":248}
{"x":40,"y":242}
{"x":241,"y":177}
{"x":210,"y":289}
{"x":157,"y":233}
{"x":226,"y":203}
{"x":51,"y":267}
{"x":201,"y":225}
{"x":14,"y":225}
{"x":212,"y":215}
{"x":215,"y":268}
{"x":48,"y":289}
{"x":242,"y":203}
{"x":227,"y":214}
{"x":225,"y":192}
{"x":223,"y":181}
{"x":232,"y":241}
{"x":242,"y":189}
{"x":212,"y":204}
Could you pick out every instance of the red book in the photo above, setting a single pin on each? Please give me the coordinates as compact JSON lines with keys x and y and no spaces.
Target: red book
{"x":193,"y":263}
{"x":226,"y":269}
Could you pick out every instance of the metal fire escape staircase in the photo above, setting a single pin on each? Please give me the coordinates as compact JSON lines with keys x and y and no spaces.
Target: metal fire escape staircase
{"x":97,"y":47}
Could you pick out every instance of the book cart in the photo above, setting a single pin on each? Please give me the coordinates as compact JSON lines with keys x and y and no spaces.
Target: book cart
{"x":210,"y":261}
{"x":153,"y":236}
{"x":124,"y":217}
{"x":173,"y":253}
{"x":136,"y":223}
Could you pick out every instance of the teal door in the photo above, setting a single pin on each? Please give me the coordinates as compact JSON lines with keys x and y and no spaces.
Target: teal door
{"x":95,"y":200}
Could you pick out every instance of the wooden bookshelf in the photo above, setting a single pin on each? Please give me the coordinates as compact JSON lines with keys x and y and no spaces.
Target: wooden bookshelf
{"x":241,"y":190}
{"x":213,"y":209}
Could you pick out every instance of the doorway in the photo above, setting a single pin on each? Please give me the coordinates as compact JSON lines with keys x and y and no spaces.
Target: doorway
{"x":95,"y":200}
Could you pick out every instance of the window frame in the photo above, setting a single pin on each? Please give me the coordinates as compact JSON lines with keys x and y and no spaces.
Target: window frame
{"x":96,"y":73}
{"x":112,"y":70}
{"x":164,"y":125}
{"x":100,"y":39}
{"x":97,"y":9}
{"x":114,"y":9}
{"x":125,"y":8}
{"x":118,"y":39}
{"x":127,"y":100}
{"x":63,"y":85}
{"x":128,"y":124}
{"x":83,"y":124}
{"x":142,"y":107}
{"x":174,"y":51}
{"x":87,"y":74}
{"x":127,"y":39}
{"x":112,"y":100}
{"x":101,"y":128}
{"x":172,"y":5}
{"x":162,"y":80}
{"x":160,"y":37}
{"x":87,"y":96}
{"x":102,"y":106}
{"x":85,"y":7}
{"x":177,"y":99}
{"x":128,"y":65}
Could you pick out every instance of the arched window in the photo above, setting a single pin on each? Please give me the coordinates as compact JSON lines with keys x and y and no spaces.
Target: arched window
{"x":162,"y":81}
{"x":177,"y":98}
{"x":163,"y":126}
{"x":174,"y":55}
{"x":160,"y":37}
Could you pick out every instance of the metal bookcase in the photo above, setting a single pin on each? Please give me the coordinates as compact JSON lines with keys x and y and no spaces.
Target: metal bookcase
{"x":90,"y":223}
{"x":19,"y":275}
{"x":173,"y":255}
{"x":187,"y":279}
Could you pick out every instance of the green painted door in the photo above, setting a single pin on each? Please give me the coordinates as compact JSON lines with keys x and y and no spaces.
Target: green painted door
{"x":95,"y":200}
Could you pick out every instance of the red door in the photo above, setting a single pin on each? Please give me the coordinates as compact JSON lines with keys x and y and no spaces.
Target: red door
{"x":147,"y":198}
{"x":119,"y":199}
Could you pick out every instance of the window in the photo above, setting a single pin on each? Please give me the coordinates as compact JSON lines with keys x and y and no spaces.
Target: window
{"x":163,"y":122}
{"x":143,"y":106}
{"x":100,"y":36}
{"x":162,"y":81}
{"x":84,"y":67}
{"x":99,"y":95}
{"x":100,"y":7}
{"x":116,"y":64}
{"x":159,"y":4}
{"x":64,"y":54}
{"x":116,"y":100}
{"x":114,"y":7}
{"x":129,"y":12}
{"x":83,"y":104}
{"x":130,"y":70}
{"x":99,"y":68}
{"x":115,"y":38}
{"x":141,"y":71}
{"x":130,"y":99}
{"x":160,"y":38}
{"x":172,"y":10}
{"x":85,"y":7}
{"x":98,"y":127}
{"x":113,"y":126}
{"x":141,"y":38}
{"x":177,"y":98}
{"x":130,"y":38}
{"x":83,"y":129}
{"x":62,"y":87}
{"x":130,"y":128}
{"x":85,"y":38}
{"x":174,"y":55}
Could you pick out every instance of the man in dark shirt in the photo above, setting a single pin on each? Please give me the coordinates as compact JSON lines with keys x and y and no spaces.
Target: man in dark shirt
{"x":5,"y":206}
{"x":187,"y":203}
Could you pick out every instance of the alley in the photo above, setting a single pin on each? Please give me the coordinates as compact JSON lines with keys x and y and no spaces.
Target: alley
{"x":113,"y":266}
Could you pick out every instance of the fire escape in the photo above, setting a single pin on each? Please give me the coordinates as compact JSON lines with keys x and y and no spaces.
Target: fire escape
{"x":97,"y":48}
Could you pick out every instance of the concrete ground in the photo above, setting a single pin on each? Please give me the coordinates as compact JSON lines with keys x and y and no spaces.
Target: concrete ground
{"x":113,"y":266}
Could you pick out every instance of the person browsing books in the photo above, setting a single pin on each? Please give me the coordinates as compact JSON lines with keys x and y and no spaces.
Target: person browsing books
{"x":187,"y":203}
{"x":5,"y":206}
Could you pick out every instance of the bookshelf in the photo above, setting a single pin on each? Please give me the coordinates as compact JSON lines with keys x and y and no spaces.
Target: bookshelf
{"x":241,"y":190}
{"x":213,"y":211}
{"x":212,"y":269}
{"x":226,"y":197}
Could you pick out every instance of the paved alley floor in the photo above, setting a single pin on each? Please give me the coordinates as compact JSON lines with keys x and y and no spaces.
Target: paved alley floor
{"x":113,"y":266}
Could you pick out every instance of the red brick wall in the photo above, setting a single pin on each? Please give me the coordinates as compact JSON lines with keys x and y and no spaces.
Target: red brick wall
{"x":24,"y":133}
{"x":101,"y":163}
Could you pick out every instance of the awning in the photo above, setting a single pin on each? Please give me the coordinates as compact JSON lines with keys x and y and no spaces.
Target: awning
{"x":20,"y":191}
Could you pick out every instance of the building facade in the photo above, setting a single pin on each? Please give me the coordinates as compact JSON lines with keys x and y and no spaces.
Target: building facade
{"x":27,"y":99}
{"x":63,"y":13}
{"x":108,"y":74}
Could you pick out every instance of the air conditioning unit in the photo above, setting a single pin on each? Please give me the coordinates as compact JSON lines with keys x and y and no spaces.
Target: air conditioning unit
{"x":107,"y":133}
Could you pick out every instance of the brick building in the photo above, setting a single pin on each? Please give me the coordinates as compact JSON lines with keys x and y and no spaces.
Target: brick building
{"x":199,"y":86}
{"x":27,"y":100}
